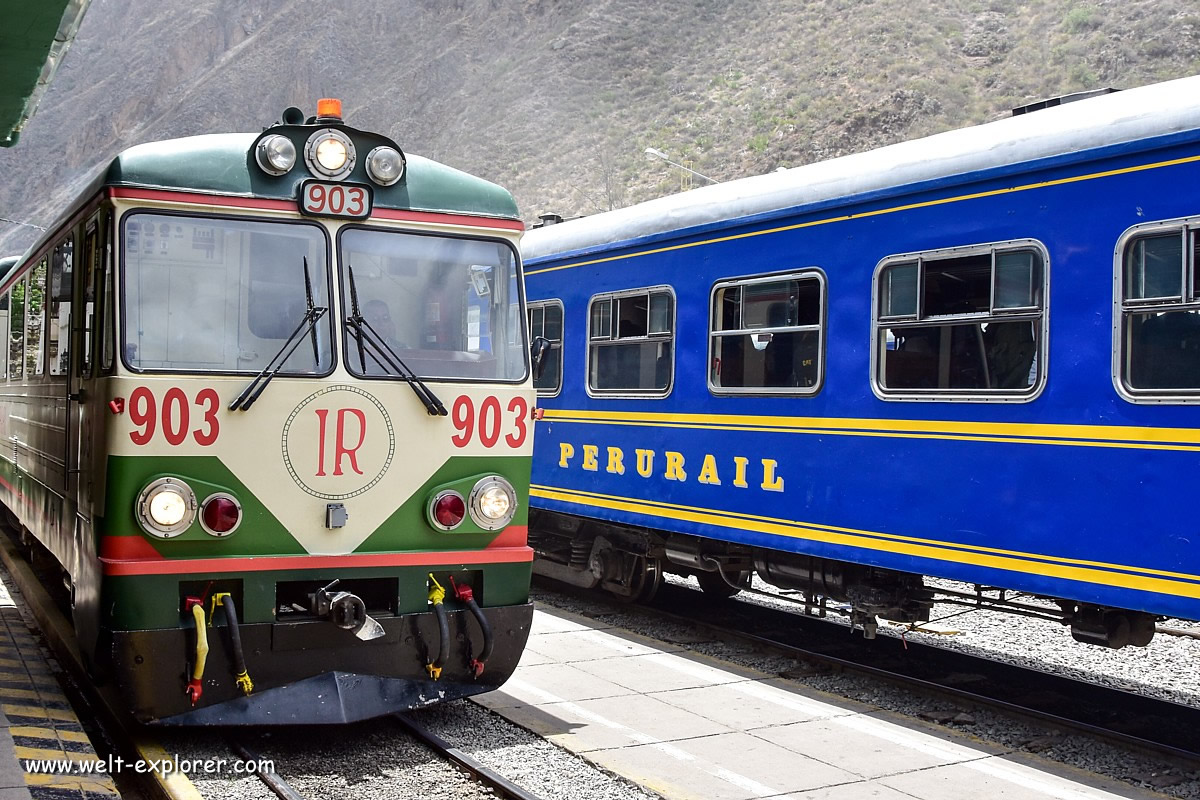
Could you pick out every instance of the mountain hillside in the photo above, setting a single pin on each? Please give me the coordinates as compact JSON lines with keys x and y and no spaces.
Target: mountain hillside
{"x":559,"y":100}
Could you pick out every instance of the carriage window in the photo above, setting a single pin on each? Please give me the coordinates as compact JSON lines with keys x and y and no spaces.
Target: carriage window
{"x":108,"y":347}
{"x":767,"y":335}
{"x":89,"y":263}
{"x":1160,"y":313}
{"x":35,"y":363}
{"x":4,"y":327}
{"x":962,"y":324}
{"x":16,"y":329}
{"x":443,"y":305}
{"x":58,"y":306}
{"x":223,"y":295}
{"x":630,"y":342}
{"x":546,"y":319}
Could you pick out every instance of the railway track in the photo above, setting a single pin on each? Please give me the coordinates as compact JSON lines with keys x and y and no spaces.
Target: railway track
{"x":501,"y":786}
{"x":492,"y":783}
{"x":1147,"y":725}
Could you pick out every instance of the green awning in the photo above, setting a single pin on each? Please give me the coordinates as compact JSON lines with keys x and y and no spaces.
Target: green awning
{"x":33,"y":40}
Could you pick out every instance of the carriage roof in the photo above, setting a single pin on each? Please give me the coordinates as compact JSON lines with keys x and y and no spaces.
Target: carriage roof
{"x":222,"y":164}
{"x":943,"y":159}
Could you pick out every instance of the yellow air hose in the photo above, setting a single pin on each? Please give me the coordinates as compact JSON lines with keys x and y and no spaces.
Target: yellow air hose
{"x":195,"y":686}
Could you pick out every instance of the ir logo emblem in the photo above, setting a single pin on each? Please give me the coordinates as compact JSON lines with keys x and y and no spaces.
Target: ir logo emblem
{"x":338,"y":442}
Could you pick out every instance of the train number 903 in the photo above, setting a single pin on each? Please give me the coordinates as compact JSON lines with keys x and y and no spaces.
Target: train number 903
{"x":490,"y":422}
{"x":335,"y":200}
{"x":175,"y":415}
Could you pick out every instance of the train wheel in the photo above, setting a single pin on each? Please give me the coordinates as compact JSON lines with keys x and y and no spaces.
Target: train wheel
{"x":716,"y":586}
{"x":647,"y":580}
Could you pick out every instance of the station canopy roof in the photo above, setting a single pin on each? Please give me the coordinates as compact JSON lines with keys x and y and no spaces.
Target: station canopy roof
{"x":33,"y":40}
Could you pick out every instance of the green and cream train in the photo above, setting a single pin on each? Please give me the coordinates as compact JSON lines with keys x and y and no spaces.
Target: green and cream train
{"x":267,"y":402}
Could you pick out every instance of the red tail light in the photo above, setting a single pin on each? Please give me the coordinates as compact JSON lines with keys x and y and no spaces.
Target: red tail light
{"x":221,"y":515}
{"x":448,"y":510}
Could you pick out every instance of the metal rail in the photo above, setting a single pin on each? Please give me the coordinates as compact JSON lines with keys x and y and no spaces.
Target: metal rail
{"x":497,"y":782}
{"x":276,"y":784}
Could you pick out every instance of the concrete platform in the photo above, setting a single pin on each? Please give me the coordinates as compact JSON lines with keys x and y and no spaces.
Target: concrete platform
{"x":37,"y":722}
{"x":695,"y":728}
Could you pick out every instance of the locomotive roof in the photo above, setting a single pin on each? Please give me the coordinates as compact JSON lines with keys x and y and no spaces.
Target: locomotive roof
{"x":947,"y":158}
{"x":221,"y":163}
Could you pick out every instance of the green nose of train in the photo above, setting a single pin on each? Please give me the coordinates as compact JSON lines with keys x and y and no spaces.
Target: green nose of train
{"x":271,"y":412}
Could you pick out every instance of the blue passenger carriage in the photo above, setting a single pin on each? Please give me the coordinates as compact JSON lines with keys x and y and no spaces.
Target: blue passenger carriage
{"x":974,"y":356}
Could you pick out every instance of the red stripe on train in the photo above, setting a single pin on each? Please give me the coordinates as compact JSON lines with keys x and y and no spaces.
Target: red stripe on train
{"x":290,"y":205}
{"x":133,"y":555}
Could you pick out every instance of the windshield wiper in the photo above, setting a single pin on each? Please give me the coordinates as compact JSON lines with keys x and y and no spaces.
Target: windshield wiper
{"x":307,"y":324}
{"x":370,"y":343}
{"x":308,"y":297}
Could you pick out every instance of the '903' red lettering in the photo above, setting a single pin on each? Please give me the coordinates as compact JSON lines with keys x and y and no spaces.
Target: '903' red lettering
{"x":489,"y":422}
{"x":175,"y":417}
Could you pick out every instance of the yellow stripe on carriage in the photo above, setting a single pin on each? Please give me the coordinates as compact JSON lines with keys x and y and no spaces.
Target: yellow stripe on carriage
{"x":1067,"y":435}
{"x":1117,"y":575}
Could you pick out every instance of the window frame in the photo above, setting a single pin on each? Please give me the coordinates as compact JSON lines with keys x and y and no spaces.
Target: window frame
{"x":6,"y":307}
{"x":669,"y":337}
{"x":35,"y":359}
{"x":555,"y":346}
{"x":822,"y":328}
{"x":91,"y":349}
{"x":1029,"y":313}
{"x":17,"y":374}
{"x":342,"y":308}
{"x":53,"y":302}
{"x":1187,"y":300}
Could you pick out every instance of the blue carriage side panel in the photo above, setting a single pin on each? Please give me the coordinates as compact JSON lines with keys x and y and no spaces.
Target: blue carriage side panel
{"x":1069,"y":490}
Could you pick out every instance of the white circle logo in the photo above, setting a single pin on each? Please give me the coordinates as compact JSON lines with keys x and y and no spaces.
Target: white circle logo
{"x":338,"y":442}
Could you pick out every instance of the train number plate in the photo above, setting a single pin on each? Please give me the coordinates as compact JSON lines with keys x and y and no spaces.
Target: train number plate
{"x":321,"y":199}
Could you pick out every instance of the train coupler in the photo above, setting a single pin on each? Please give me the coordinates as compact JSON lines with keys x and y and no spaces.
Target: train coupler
{"x":347,"y":611}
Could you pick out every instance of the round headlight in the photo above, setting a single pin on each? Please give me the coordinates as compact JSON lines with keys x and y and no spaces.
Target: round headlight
{"x":166,"y":507}
{"x":330,"y":153}
{"x":385,"y":165}
{"x":493,"y":503}
{"x":275,"y":154}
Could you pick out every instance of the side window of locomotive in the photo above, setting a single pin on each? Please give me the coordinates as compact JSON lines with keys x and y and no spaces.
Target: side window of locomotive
{"x":90,"y":263}
{"x":546,"y":320}
{"x":962,"y":323}
{"x":58,"y":307}
{"x":1159,"y":278}
{"x":108,"y":301}
{"x":16,"y":330}
{"x":4,"y":327}
{"x":766,"y":335}
{"x":224,"y":295}
{"x":631,"y":338}
{"x":35,"y":363}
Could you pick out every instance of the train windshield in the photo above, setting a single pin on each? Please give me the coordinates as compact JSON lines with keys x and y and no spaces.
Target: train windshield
{"x":447,"y":307}
{"x":223,"y":295}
